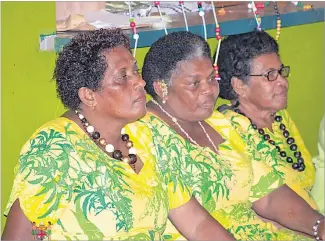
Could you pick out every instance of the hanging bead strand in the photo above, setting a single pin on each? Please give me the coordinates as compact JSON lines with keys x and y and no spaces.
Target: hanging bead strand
{"x":258,"y":19}
{"x":157,"y":4}
{"x":201,"y":13}
{"x":278,"y":21}
{"x":181,"y":3}
{"x":134,"y":30}
{"x":218,"y":37}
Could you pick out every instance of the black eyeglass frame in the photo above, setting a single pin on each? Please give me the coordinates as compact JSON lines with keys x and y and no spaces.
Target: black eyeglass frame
{"x":280,"y":71}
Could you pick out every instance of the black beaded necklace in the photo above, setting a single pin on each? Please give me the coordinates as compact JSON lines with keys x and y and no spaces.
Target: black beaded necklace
{"x":131,"y":159}
{"x":300,"y":164}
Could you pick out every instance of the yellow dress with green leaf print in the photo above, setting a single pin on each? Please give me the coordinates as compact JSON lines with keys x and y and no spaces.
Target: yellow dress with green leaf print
{"x":225,"y":185}
{"x":300,"y":182}
{"x":64,"y":178}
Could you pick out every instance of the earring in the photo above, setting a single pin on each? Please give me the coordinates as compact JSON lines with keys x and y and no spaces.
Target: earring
{"x":164,"y":89}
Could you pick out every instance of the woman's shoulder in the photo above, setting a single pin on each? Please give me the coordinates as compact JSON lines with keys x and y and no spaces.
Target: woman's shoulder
{"x":238,"y":121}
{"x":60,"y":124}
{"x":156,"y":124}
{"x":58,"y":130}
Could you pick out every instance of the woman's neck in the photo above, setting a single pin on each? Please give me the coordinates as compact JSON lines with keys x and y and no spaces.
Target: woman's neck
{"x":261,"y":118}
{"x":155,"y":109}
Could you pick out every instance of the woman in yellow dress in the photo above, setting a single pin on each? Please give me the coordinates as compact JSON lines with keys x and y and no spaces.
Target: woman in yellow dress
{"x":200,"y":147}
{"x":87,"y":175}
{"x":254,"y":80}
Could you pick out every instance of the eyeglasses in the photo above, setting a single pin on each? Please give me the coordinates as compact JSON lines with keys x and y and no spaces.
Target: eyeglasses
{"x":272,"y":75}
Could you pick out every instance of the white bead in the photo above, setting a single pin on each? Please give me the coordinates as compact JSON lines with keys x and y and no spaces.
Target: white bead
{"x":123,"y":131}
{"x":136,"y":36}
{"x":254,"y":9}
{"x":249,"y":5}
{"x":109,"y":148}
{"x":201,"y":13}
{"x":90,"y":129}
{"x":315,"y":233}
{"x":174,"y":119}
{"x":318,"y":221}
{"x":132,"y":151}
{"x":81,"y":116}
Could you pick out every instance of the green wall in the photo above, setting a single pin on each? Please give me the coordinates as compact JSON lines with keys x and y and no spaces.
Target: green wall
{"x":28,"y":94}
{"x":29,"y":98}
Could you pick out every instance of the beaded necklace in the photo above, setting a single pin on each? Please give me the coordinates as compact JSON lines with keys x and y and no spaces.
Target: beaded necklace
{"x":299,"y":165}
{"x":131,"y":158}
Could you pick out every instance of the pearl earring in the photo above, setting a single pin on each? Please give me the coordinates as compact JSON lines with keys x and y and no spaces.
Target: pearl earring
{"x":164,"y":89}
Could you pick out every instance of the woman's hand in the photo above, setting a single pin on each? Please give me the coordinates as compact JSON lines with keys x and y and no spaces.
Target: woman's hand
{"x":195,"y":223}
{"x":321,"y":233}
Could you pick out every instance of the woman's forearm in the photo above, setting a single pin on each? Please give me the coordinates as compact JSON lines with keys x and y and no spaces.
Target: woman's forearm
{"x":287,"y":208}
{"x":210,"y":228}
{"x":195,"y":223}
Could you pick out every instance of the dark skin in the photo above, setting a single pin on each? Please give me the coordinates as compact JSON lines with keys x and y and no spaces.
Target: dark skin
{"x":120,"y":101}
{"x":191,"y":98}
{"x":258,"y":100}
{"x":260,"y":97}
{"x":184,"y":101}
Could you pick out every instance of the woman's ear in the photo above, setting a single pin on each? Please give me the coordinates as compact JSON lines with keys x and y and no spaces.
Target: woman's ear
{"x":159,"y":89}
{"x":87,"y":97}
{"x":239,"y":87}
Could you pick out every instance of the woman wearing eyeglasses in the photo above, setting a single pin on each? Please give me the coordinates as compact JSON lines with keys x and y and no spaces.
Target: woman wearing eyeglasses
{"x":254,"y":79}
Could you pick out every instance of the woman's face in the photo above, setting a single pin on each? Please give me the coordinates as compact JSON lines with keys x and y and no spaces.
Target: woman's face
{"x":122,"y":95}
{"x":265,"y":94}
{"x":194,"y":90}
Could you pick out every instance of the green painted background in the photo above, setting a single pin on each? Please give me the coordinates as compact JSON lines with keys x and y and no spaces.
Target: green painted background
{"x":29,"y":98}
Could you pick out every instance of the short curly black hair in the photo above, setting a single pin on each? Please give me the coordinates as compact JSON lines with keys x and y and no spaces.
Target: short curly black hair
{"x":164,"y":55}
{"x":235,"y":56}
{"x":81,"y":63}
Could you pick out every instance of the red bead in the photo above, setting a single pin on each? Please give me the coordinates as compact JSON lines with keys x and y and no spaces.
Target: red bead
{"x":217,"y":30}
{"x":219,"y":37}
{"x":216,"y":67}
{"x":156,"y":3}
{"x":259,"y":5}
{"x":132,"y":24}
{"x":199,"y":3}
{"x":255,"y":12}
{"x":181,"y":2}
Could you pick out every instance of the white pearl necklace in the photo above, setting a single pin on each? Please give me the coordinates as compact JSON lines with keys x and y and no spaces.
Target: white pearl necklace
{"x":185,"y":133}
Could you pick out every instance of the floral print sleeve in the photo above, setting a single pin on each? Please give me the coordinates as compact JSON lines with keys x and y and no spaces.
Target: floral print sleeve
{"x":43,"y":172}
{"x":65,"y":178}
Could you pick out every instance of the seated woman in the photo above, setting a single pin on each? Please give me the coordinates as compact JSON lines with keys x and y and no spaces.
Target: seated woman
{"x":85,"y":175}
{"x":205,"y":153}
{"x":254,"y":80}
{"x":317,"y":192}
